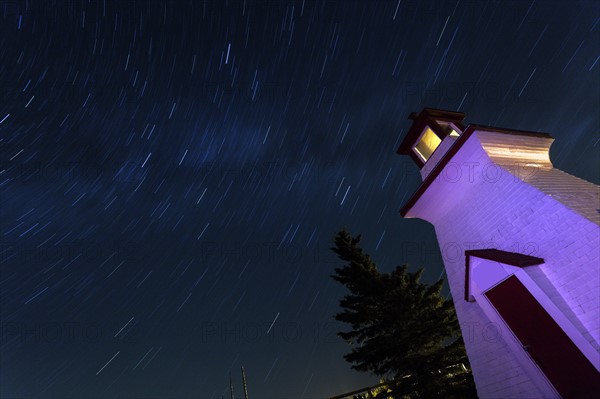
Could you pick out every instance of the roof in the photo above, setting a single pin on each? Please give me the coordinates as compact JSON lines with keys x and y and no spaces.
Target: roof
{"x":581,"y":196}
{"x":508,"y":258}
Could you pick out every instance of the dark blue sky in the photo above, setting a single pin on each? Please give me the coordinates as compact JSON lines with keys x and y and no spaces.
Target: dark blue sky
{"x":172,"y":174}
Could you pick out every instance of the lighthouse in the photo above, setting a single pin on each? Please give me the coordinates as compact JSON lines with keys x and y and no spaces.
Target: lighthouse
{"x":520,"y":242}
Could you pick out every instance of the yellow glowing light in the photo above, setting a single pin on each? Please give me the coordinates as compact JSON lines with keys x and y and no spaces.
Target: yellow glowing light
{"x":427,"y":144}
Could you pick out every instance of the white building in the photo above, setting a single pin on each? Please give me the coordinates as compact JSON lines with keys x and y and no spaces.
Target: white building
{"x":520,"y":241}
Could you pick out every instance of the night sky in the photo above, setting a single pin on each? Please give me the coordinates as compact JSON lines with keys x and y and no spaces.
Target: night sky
{"x":172,"y":174}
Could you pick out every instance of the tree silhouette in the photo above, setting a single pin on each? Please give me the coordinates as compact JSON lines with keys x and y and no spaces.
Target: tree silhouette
{"x":401,"y":329}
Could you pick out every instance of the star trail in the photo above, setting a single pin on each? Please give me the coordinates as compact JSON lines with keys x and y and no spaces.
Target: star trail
{"x":172,"y":174}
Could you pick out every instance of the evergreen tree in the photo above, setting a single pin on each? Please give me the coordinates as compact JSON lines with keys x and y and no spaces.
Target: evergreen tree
{"x":401,"y":329}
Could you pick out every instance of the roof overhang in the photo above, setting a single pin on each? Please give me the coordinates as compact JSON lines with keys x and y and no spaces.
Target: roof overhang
{"x":496,"y":255}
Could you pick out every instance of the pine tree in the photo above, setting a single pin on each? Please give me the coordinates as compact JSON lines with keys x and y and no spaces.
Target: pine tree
{"x":401,"y":329}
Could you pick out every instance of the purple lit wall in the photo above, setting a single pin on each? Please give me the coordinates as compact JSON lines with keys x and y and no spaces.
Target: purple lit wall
{"x":501,"y":191}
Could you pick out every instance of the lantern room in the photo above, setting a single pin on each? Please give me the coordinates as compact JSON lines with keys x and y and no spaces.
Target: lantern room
{"x":432,"y":133}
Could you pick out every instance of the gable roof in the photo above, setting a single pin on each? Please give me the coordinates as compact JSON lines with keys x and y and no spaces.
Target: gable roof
{"x":496,"y":255}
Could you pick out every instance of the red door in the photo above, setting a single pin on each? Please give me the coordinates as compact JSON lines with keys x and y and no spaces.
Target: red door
{"x":571,"y":373}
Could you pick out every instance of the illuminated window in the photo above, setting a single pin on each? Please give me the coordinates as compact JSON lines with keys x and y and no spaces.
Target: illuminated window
{"x":449,"y":128}
{"x":427,"y":144}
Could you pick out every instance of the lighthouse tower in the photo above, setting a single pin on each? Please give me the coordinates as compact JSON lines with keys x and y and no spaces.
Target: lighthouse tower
{"x":520,"y":241}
